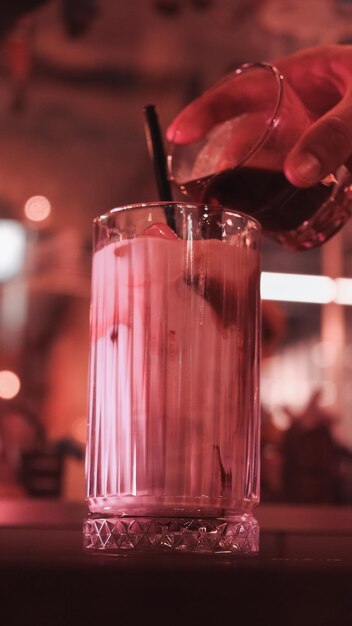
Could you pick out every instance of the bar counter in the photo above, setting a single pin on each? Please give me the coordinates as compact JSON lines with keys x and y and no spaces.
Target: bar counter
{"x":303,"y":574}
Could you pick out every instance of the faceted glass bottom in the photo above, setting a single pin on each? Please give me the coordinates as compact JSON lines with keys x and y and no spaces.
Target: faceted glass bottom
{"x":237,"y":535}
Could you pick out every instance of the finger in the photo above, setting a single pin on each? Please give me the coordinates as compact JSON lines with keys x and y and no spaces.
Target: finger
{"x":191,"y":124}
{"x":199,"y":117}
{"x":229,"y":98}
{"x":325,"y":146}
{"x":319,"y":75}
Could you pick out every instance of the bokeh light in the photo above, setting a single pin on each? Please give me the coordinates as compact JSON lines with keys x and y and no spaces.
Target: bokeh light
{"x":37,"y":208}
{"x":12,"y":248}
{"x":9,"y":384}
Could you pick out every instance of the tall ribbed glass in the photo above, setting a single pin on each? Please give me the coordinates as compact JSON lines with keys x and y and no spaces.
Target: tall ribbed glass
{"x":173,"y":438}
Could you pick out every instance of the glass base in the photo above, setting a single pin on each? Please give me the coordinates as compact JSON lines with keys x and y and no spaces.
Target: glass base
{"x":237,"y":535}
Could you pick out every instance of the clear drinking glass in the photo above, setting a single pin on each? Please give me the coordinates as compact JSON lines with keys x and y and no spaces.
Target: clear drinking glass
{"x":239,"y":162}
{"x":173,"y":439}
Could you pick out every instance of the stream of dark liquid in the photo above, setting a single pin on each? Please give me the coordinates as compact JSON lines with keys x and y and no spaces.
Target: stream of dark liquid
{"x":264,"y":194}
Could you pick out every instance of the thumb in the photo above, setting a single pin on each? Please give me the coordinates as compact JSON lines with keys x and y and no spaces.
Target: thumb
{"x":324,"y":146}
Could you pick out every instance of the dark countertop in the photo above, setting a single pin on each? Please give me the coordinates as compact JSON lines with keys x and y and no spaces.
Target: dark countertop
{"x":303,"y":574}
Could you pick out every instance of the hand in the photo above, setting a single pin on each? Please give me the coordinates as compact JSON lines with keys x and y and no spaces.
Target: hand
{"x":322,"y":78}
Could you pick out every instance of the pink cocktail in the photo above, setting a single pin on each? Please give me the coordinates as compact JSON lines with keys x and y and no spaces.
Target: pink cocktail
{"x":172,"y":454}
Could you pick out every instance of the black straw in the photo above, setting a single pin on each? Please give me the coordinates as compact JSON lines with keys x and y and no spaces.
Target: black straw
{"x":157,"y":155}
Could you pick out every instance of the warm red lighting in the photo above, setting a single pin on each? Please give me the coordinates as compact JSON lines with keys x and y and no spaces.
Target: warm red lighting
{"x":9,"y":384}
{"x":37,"y":208}
{"x":79,"y":429}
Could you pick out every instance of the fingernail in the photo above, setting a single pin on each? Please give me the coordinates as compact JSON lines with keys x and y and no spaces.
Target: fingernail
{"x":305,"y":168}
{"x":170,"y":132}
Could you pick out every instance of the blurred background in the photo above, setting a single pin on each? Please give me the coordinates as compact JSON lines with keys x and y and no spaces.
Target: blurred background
{"x":74,"y":78}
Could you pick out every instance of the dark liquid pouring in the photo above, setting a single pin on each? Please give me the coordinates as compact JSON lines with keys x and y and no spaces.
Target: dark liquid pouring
{"x":266,"y":195}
